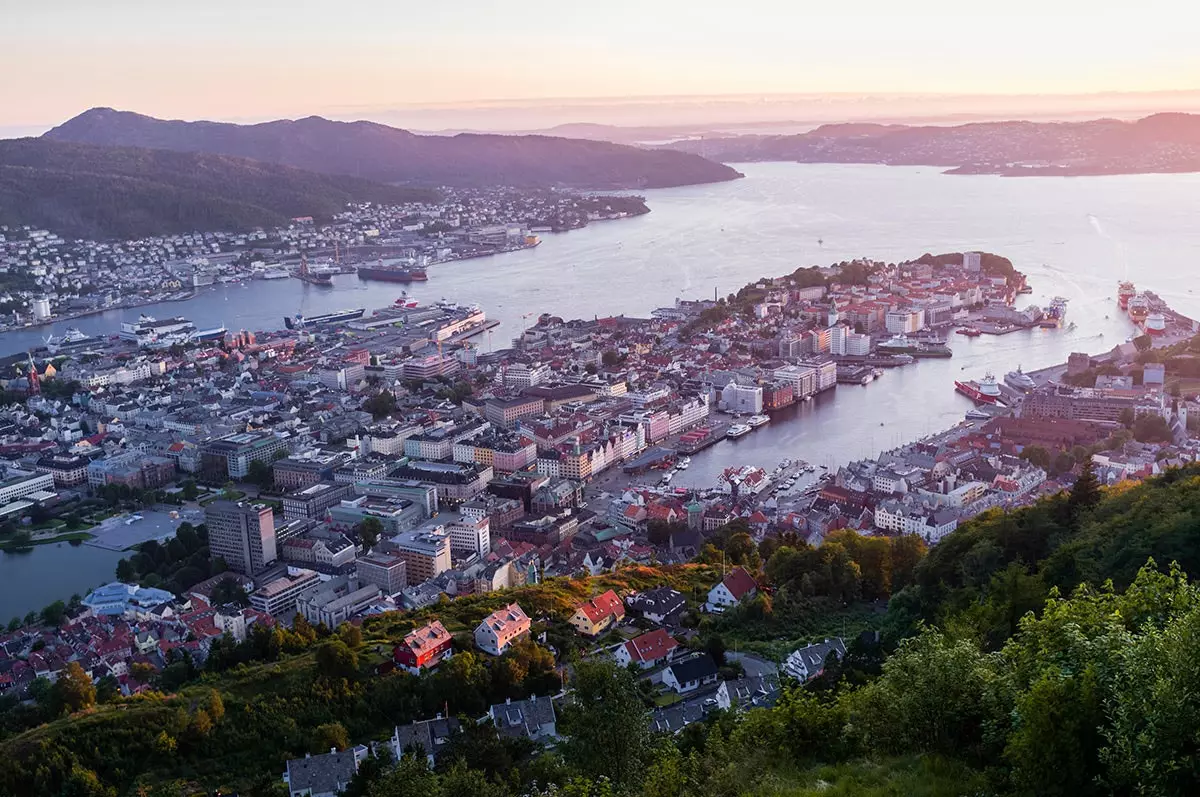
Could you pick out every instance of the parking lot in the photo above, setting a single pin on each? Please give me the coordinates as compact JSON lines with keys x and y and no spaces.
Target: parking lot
{"x":117,"y":534}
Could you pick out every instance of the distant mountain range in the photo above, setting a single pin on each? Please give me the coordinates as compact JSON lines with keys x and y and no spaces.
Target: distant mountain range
{"x":86,"y":191}
{"x":1158,"y":143}
{"x":391,"y":155}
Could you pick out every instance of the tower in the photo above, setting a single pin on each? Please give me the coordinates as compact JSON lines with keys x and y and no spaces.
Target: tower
{"x":35,"y":386}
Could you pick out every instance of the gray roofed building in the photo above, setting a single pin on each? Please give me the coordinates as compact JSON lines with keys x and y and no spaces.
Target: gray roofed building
{"x":431,"y":736}
{"x":532,"y":718}
{"x":809,"y":662}
{"x":758,"y":692}
{"x":673,"y":719}
{"x":323,"y":775}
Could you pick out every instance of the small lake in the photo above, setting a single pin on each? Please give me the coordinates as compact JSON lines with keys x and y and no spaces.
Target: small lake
{"x":33,"y":580}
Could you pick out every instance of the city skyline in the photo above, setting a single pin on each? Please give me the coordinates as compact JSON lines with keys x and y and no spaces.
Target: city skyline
{"x":221,"y":61}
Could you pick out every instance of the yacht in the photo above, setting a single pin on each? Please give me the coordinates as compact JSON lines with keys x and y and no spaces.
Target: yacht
{"x":683,"y":464}
{"x":1019,"y":380}
{"x":738,"y":430}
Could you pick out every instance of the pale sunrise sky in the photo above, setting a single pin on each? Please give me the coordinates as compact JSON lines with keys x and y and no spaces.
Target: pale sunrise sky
{"x":259,"y":59}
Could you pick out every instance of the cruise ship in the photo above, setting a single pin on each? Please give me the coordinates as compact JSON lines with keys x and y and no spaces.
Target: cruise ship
{"x":755,"y":421}
{"x":1019,"y":380}
{"x":149,"y":331}
{"x":985,"y":391}
{"x":299,"y":321}
{"x":70,"y":340}
{"x":738,"y":430}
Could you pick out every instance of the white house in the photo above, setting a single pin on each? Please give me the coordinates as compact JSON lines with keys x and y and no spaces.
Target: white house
{"x":730,"y":591}
{"x":500,"y":629}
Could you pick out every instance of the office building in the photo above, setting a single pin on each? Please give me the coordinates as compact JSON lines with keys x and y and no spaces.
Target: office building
{"x":229,"y":457}
{"x":280,"y":597}
{"x":314,"y":500}
{"x":242,"y":534}
{"x":425,"y":551}
{"x":387,"y":571}
{"x":470,"y":536}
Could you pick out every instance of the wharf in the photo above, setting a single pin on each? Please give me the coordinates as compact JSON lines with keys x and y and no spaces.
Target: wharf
{"x":855,"y":374}
{"x":690,"y":444}
{"x":876,"y":360}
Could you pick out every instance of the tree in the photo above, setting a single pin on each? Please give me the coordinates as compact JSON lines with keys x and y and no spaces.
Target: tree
{"x":609,"y":732}
{"x":1037,"y":456}
{"x":229,"y":591}
{"x":54,"y":614}
{"x":107,"y":689}
{"x":369,"y":529}
{"x":125,"y":572}
{"x":215,"y":706}
{"x":74,"y":690}
{"x":381,"y":404}
{"x":201,"y":724}
{"x":714,"y":646}
{"x":1152,"y":428}
{"x":351,"y":635}
{"x":330,"y":735}
{"x":189,"y":490}
{"x":1085,"y":493}
{"x":259,"y":473}
{"x":335,"y":660}
{"x":610,"y":357}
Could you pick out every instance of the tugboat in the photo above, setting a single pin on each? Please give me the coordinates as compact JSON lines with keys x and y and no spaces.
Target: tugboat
{"x":985,"y":391}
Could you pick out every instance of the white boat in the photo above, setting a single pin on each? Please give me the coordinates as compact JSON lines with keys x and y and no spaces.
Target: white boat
{"x":666,"y":479}
{"x":755,"y":421}
{"x":71,"y":339}
{"x":1019,"y":380}
{"x":683,"y":463}
{"x":738,"y":430}
{"x":978,"y":415}
{"x":275,"y":274}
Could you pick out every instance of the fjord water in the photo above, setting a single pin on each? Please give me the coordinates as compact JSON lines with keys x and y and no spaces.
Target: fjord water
{"x":1074,"y":237}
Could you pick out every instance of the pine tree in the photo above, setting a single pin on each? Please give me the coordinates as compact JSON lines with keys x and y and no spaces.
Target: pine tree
{"x":1086,"y":492}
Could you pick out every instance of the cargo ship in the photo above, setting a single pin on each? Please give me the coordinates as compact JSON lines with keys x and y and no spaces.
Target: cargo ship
{"x":985,"y":391}
{"x":320,"y":279}
{"x":1054,"y":312}
{"x":1156,"y":324}
{"x":1125,"y":292}
{"x":392,"y":273}
{"x":299,"y":321}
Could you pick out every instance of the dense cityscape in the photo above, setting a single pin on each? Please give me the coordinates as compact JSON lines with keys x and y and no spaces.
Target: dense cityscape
{"x":536,"y":400}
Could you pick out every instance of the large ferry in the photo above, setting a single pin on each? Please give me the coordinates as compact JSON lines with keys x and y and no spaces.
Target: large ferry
{"x":985,"y":391}
{"x":1125,"y":292}
{"x":738,"y":430}
{"x":1156,"y":324}
{"x":1019,"y":380}
{"x":392,"y":274}
{"x":299,"y":321}
{"x":755,"y":421}
{"x":149,"y":331}
{"x":900,"y":344}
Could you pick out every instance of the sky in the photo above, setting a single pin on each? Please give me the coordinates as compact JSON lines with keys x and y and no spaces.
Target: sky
{"x":260,"y":59}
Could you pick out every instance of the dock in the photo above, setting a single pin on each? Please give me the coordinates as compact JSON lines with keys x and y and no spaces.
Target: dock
{"x":701,"y":438}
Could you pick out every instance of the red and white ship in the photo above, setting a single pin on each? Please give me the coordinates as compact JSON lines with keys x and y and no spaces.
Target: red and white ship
{"x":985,"y":391}
{"x":1139,"y":308}
{"x":1156,"y":324}
{"x":1125,"y":292}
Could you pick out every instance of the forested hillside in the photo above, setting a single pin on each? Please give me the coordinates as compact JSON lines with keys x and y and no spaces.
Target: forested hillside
{"x":86,"y":191}
{"x":1047,"y":651}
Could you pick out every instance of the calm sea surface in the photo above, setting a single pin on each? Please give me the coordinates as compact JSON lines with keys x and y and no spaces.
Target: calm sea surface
{"x":1074,"y":237}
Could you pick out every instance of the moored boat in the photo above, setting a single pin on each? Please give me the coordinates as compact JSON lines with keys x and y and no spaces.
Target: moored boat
{"x":984,"y":391}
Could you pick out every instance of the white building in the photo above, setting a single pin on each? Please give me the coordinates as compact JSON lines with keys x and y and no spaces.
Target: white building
{"x":523,"y":375}
{"x":741,"y":399}
{"x":500,"y":629}
{"x":470,"y":536}
{"x":904,"y":321}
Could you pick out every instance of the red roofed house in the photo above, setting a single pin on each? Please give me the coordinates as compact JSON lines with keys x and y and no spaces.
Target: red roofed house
{"x":424,"y":648}
{"x":738,"y":584}
{"x":599,"y":614}
{"x":500,"y":629}
{"x":650,"y":649}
